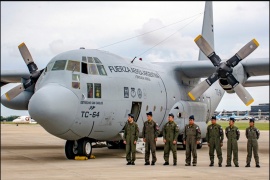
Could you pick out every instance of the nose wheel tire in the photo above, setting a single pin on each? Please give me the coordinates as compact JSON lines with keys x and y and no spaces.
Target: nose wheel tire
{"x":85,"y":147}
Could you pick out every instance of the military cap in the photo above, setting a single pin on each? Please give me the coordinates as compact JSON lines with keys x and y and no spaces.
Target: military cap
{"x":149,"y":113}
{"x":131,"y":115}
{"x":191,"y":117}
{"x":232,"y":119}
{"x":251,"y":120}
{"x":213,"y":117}
{"x":171,"y":114}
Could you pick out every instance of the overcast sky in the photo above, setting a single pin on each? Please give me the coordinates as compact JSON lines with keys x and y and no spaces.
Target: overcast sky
{"x":49,"y":28}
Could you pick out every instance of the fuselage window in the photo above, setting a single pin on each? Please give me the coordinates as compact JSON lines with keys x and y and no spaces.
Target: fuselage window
{"x":97,"y":90}
{"x":147,"y":108}
{"x":84,"y":68}
{"x":93,"y":69}
{"x":90,"y":90}
{"x":101,"y":70}
{"x":76,"y":85}
{"x":73,"y":66}
{"x":59,"y":65}
{"x":161,"y":108}
{"x":154,"y":108}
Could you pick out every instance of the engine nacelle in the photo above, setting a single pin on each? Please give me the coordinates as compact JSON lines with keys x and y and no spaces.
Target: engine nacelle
{"x":20,"y":102}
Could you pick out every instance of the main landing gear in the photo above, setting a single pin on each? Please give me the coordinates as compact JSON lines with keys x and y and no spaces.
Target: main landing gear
{"x":81,"y":147}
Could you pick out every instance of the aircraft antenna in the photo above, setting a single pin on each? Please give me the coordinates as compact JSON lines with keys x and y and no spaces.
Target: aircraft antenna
{"x":149,"y":31}
{"x":133,"y":59}
{"x":169,"y":36}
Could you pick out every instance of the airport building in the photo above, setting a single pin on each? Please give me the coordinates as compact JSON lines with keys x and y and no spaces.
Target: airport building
{"x":261,"y":108}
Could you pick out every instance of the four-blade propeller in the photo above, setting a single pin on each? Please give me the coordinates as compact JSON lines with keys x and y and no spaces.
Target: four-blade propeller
{"x":223,"y":70}
{"x":34,"y":73}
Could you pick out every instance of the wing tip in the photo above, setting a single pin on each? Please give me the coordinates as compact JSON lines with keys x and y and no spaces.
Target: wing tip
{"x":191,"y":96}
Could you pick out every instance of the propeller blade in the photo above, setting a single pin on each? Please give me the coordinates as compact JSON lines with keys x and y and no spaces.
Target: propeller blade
{"x":243,"y":53}
{"x":203,"y":86}
{"x":207,"y":50}
{"x":243,"y":94}
{"x":14,"y":92}
{"x":27,"y":58}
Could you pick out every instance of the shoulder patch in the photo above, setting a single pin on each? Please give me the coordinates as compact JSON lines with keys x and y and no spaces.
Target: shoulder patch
{"x":197,"y":127}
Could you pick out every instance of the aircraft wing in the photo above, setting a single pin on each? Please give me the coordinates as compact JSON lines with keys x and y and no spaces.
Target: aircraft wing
{"x":202,"y":69}
{"x":13,"y":76}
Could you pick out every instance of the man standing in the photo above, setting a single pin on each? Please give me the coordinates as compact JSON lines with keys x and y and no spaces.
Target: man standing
{"x":150,"y":133}
{"x":191,"y":138}
{"x":233,"y":135}
{"x":170,"y":135}
{"x":214,"y":138}
{"x":252,"y":134}
{"x":130,"y":139}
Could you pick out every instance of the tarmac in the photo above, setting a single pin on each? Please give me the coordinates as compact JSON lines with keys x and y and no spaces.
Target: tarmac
{"x":29,"y":152}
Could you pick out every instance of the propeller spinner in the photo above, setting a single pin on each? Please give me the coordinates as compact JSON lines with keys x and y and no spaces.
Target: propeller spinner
{"x":223,"y":70}
{"x":34,"y":73}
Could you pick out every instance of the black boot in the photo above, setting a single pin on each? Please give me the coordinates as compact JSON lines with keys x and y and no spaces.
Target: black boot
{"x":248,"y":165}
{"x":257,"y":165}
{"x":211,"y":164}
{"x":166,"y":163}
{"x":147,"y":163}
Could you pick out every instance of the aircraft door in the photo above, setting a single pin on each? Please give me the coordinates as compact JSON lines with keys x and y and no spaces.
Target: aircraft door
{"x":136,"y":110}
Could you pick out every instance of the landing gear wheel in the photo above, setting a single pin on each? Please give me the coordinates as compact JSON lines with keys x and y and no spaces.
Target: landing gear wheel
{"x":71,"y":149}
{"x":85,"y":147}
{"x":199,"y":146}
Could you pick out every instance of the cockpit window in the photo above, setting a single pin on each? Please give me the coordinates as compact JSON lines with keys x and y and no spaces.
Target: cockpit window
{"x":90,"y":60}
{"x":59,"y":65}
{"x":49,"y":66}
{"x":93,"y":69}
{"x":101,"y":70}
{"x":84,"y":59}
{"x":73,"y":66}
{"x":97,"y":60}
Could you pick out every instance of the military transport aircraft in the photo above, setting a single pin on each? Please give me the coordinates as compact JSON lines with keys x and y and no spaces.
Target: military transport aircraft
{"x":85,"y":95}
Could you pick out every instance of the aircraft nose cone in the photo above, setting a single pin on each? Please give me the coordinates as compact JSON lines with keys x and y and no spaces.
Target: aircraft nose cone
{"x":54,"y":107}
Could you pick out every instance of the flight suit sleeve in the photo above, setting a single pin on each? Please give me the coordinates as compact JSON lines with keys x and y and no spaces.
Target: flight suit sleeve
{"x":226,"y":132}
{"x":176,"y":132}
{"x":207,"y":135}
{"x":257,"y":133}
{"x":198,"y":133}
{"x":156,"y":130}
{"x":125,"y":133}
{"x":237,"y":134}
{"x":184,"y":135}
{"x":137,"y":132}
{"x":247,"y":133}
{"x":143,"y":131}
{"x":221,"y":133}
{"x":164,"y":132}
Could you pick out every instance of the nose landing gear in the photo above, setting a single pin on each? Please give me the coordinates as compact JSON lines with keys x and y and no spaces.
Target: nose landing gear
{"x":81,"y":147}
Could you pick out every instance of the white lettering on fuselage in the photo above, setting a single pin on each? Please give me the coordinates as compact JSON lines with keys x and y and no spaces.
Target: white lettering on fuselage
{"x":133,"y":70}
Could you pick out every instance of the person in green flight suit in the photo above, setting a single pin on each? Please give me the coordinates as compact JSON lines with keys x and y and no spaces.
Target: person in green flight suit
{"x":233,"y":134}
{"x":252,"y":134}
{"x":130,"y":138}
{"x":170,"y":136}
{"x":214,"y":138}
{"x":150,"y":133}
{"x":191,"y":138}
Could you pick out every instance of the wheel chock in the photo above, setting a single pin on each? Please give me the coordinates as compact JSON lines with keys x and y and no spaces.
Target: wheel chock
{"x":81,"y":158}
{"x":92,"y":157}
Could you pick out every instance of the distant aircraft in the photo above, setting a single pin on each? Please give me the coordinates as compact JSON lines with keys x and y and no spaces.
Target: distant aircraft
{"x":246,"y":116}
{"x":85,"y":95}
{"x":24,"y":120}
{"x":222,"y":118}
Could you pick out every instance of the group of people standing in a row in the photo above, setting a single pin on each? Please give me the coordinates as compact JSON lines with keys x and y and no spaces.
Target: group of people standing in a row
{"x":191,"y":137}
